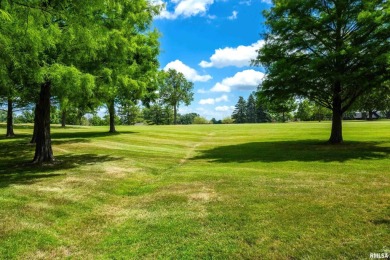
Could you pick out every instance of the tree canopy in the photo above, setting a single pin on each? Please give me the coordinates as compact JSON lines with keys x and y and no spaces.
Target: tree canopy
{"x":176,"y":89}
{"x":59,"y":49}
{"x":331,"y":52}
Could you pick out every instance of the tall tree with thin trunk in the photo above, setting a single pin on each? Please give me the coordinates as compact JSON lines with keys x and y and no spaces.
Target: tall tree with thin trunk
{"x":240,"y":111}
{"x":176,"y":89}
{"x":331,"y":52}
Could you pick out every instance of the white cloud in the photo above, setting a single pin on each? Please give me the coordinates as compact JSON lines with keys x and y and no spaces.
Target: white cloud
{"x":213,"y":113}
{"x":240,"y":56}
{"x":208,"y":101}
{"x":246,"y":2}
{"x":189,"y":73}
{"x":267,"y":2}
{"x":222,"y":98}
{"x":245,"y":80}
{"x":233,"y":16}
{"x":212,"y":101}
{"x":202,"y":91}
{"x":183,"y":8}
{"x":224,"y":108}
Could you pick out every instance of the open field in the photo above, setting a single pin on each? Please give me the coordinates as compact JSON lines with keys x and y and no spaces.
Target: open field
{"x":265,"y":191}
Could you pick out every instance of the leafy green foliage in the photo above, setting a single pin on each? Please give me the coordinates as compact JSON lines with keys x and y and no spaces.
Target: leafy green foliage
{"x":305,"y":111}
{"x":175,"y":89}
{"x":199,"y":120}
{"x":331,"y":52}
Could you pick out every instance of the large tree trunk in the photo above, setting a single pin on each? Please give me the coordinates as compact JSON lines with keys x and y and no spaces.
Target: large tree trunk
{"x":63,"y":118}
{"x":43,"y":150}
{"x":336,"y":136}
{"x":34,"y":136}
{"x":370,"y":113}
{"x":10,"y":119}
{"x":111,"y":110}
{"x":174,"y":115}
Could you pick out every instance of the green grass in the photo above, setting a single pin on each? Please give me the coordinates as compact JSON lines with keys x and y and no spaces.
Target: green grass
{"x":266,"y":191}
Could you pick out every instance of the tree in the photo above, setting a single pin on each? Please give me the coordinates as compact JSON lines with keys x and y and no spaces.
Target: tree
{"x":251,"y":113}
{"x":305,"y":111}
{"x":129,"y":113}
{"x":126,"y":64}
{"x":321,"y":113}
{"x":187,"y":119}
{"x":175,"y":89}
{"x":67,"y":37}
{"x":239,"y":114}
{"x":199,"y":120}
{"x":283,"y":108}
{"x":158,"y":113}
{"x":331,"y":52}
{"x":227,"y":120}
{"x":375,"y":101}
{"x":262,"y":114}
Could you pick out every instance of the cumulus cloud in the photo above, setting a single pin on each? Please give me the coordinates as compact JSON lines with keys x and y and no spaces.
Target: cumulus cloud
{"x":245,"y":80}
{"x":267,"y":2}
{"x":188,"y":72}
{"x":212,"y":101}
{"x":224,"y":108}
{"x":202,"y":91}
{"x":239,"y":56}
{"x":233,"y":16}
{"x":183,"y":8}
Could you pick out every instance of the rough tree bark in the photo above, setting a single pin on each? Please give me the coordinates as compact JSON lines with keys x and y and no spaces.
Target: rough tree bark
{"x":43,"y":150}
{"x":10,"y":119}
{"x":111,"y":110}
{"x":336,"y":136}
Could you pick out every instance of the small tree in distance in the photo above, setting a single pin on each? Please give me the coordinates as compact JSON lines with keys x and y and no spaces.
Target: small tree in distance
{"x":175,"y":89}
{"x":240,"y":111}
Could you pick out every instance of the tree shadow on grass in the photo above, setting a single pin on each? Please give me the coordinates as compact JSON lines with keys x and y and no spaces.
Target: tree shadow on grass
{"x":15,"y":172}
{"x":16,"y":137}
{"x":303,"y":151}
{"x":86,"y":135}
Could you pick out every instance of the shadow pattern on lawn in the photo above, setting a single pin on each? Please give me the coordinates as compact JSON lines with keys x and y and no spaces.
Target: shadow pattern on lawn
{"x":27,"y":173}
{"x":303,"y":151}
{"x":86,"y":135}
{"x":16,"y":155}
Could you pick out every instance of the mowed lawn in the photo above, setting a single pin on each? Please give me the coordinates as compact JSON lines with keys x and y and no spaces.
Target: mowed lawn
{"x":264,"y":191}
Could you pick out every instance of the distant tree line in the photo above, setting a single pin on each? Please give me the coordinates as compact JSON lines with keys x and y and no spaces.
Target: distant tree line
{"x":259,"y":109}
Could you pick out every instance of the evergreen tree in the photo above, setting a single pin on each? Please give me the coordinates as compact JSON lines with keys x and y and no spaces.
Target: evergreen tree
{"x":251,"y":110}
{"x":239,"y":114}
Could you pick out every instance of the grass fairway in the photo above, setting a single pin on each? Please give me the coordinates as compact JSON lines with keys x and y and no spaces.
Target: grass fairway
{"x":265,"y":191}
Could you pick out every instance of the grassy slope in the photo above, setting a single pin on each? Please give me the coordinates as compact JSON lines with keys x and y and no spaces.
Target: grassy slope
{"x":215,"y":191}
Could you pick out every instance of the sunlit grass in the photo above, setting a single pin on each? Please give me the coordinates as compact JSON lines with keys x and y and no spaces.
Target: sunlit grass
{"x":214,"y":191}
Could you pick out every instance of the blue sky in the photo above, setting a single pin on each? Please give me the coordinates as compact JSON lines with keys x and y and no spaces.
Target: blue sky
{"x":212,"y":42}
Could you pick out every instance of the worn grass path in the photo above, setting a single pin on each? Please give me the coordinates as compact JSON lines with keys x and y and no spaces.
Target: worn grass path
{"x":267,"y":191}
